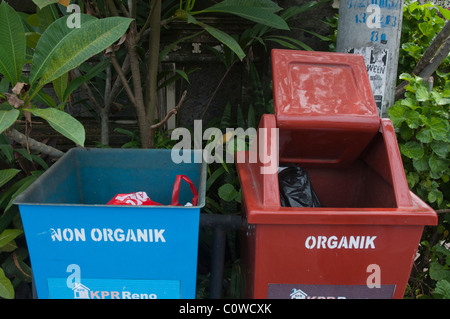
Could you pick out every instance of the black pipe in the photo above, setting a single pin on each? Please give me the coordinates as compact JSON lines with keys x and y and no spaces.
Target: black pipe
{"x":220,"y":225}
{"x":227,"y":221}
{"x":217,"y":262}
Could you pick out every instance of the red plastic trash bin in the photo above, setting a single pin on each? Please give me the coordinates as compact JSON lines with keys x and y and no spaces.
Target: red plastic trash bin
{"x":363,"y":241}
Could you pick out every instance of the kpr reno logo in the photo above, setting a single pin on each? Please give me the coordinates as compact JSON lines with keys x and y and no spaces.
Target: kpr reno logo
{"x":343,"y":242}
{"x":300,"y":294}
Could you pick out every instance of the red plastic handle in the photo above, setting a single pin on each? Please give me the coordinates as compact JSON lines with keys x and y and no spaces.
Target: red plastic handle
{"x":176,"y":190}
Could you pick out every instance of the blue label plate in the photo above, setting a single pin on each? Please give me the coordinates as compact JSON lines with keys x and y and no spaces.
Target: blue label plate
{"x":114,"y":289}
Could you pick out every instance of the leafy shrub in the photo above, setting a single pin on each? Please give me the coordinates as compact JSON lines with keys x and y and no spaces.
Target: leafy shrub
{"x":421,"y":23}
{"x":421,"y":120}
{"x":23,"y":168}
{"x":424,"y":137}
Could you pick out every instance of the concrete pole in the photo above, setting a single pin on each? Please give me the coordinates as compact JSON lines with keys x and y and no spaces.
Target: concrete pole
{"x":373,"y":28}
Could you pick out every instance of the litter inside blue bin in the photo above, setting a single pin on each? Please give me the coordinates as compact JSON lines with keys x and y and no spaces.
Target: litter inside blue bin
{"x":82,"y":248}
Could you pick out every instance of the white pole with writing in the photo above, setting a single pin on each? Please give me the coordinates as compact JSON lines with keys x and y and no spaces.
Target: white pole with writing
{"x":373,"y":28}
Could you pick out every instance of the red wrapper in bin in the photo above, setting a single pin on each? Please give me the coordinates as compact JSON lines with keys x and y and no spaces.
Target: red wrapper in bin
{"x":138,"y":198}
{"x":141,"y":198}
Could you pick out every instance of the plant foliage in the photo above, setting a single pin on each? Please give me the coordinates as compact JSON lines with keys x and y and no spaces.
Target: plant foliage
{"x":58,"y":50}
{"x":421,"y":120}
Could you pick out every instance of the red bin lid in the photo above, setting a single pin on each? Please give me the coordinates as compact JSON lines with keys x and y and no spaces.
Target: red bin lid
{"x":325,"y":92}
{"x":321,"y":86}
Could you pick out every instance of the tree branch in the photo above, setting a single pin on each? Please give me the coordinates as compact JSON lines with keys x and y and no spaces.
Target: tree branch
{"x":147,"y":22}
{"x":153,"y":61}
{"x":117,"y":86}
{"x":434,"y":63}
{"x":431,"y":59}
{"x":32,"y":143}
{"x":170,"y":113}
{"x":112,"y":8}
{"x":123,"y":9}
{"x":137,"y":86}
{"x":430,"y":52}
{"x":122,"y":77}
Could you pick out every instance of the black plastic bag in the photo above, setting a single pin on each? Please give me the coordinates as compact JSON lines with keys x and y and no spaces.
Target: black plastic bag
{"x":296,"y":189}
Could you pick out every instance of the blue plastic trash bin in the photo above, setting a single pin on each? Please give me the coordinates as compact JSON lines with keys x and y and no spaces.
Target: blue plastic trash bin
{"x":82,"y":248}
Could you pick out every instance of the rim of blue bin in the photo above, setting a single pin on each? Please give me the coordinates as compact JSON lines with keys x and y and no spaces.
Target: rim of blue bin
{"x":21,"y":199}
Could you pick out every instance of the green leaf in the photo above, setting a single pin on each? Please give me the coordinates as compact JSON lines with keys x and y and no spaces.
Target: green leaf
{"x":32,"y":39}
{"x":442,"y":252}
{"x":413,"y":119}
{"x":46,"y":16}
{"x":14,"y":265}
{"x":409,"y":103}
{"x":6,"y":288}
{"x":9,"y":234}
{"x":413,"y":49}
{"x":9,"y":247}
{"x":421,"y":164}
{"x":439,"y":272}
{"x":412,"y":178}
{"x":43,"y":3}
{"x":412,"y":150}
{"x":8,"y":216}
{"x":254,"y":14}
{"x":440,"y":148}
{"x":397,"y":115}
{"x":7,"y":174}
{"x":214,"y":176}
{"x":261,"y":11}
{"x":7,"y":118}
{"x":7,"y":152}
{"x":61,"y":48}
{"x":321,"y":37}
{"x":4,"y":85}
{"x":437,"y":164}
{"x":438,"y":128}
{"x":445,"y":12}
{"x":289,"y":42}
{"x":227,"y":192}
{"x":442,"y":289}
{"x":427,"y":29}
{"x":62,"y":122}
{"x":424,"y":135}
{"x":12,"y":44}
{"x":435,"y":196}
{"x":182,"y":74}
{"x":177,"y":75}
{"x":21,"y":186}
{"x":78,"y":81}
{"x":422,"y":94}
{"x":60,"y":86}
{"x":225,"y":39}
{"x":282,"y":43}
{"x":407,"y":77}
{"x":295,"y":10}
{"x":32,"y":157}
{"x":259,"y":4}
{"x":405,"y":132}
{"x":44,"y":98}
{"x":439,"y":99}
